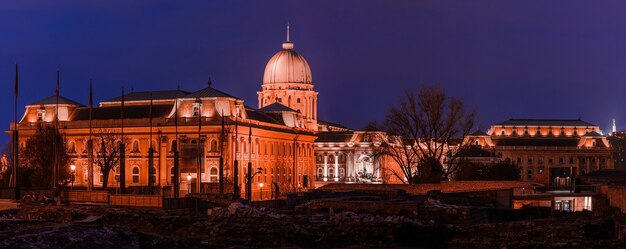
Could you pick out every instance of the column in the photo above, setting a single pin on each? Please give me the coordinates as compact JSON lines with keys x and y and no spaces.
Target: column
{"x":325,"y":166}
{"x":336,"y":166}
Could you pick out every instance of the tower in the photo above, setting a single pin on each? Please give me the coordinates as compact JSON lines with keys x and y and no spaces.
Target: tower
{"x":287,"y":80}
{"x":613,"y":128}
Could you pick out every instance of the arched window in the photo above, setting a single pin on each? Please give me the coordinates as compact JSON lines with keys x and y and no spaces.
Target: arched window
{"x":331,"y":172}
{"x":213,"y":146}
{"x":213,"y":175}
{"x":320,"y":173}
{"x":135,"y":174}
{"x":342,"y":173}
{"x":135,"y":147}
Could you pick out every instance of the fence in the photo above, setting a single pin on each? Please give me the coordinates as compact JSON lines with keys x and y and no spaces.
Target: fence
{"x":86,"y":196}
{"x":136,"y":200}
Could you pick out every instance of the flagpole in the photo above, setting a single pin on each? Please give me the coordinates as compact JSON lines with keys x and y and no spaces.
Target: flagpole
{"x":122,"y":150}
{"x":55,"y":175}
{"x":199,"y":162}
{"x":176,"y":182}
{"x":90,"y":142}
{"x":151,"y":154}
{"x":221,"y":148}
{"x":15,"y":140}
{"x":236,"y":191}
{"x":249,"y":187}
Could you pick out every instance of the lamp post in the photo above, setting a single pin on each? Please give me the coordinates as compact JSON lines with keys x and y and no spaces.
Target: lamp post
{"x":188,"y":183}
{"x":249,"y":182}
{"x":261,"y":187}
{"x":73,"y":175}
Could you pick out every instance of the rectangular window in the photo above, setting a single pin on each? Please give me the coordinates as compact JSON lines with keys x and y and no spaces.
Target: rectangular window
{"x":135,"y":179}
{"x":530,"y":159}
{"x":560,"y":160}
{"x":549,"y":160}
{"x":571,"y":160}
{"x":519,"y":160}
{"x":40,"y":114}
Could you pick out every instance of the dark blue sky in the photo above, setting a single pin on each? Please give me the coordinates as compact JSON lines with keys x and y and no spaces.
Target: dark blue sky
{"x":507,"y":59}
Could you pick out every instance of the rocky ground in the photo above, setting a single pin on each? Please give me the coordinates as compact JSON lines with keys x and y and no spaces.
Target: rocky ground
{"x":239,"y":226}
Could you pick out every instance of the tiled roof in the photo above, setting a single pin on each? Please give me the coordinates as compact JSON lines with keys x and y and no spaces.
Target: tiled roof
{"x":209,"y":92}
{"x":322,"y":122}
{"x":156,"y":95}
{"x":545,"y":122}
{"x":114,"y":112}
{"x":260,"y":116}
{"x":334,"y":137}
{"x":537,"y":142}
{"x":277,"y":107}
{"x":53,"y":100}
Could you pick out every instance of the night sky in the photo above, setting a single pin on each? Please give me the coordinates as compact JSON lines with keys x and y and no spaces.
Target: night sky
{"x":506,"y":59}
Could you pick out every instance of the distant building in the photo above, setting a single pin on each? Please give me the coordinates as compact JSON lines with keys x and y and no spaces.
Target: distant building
{"x":548,"y":151}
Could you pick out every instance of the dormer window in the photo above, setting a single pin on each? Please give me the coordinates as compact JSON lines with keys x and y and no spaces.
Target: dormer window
{"x":41,"y":113}
{"x":196,"y":109}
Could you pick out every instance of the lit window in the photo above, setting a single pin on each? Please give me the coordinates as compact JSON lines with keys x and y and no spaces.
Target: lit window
{"x":196,"y":109}
{"x":213,"y":175}
{"x":41,"y":113}
{"x":213,"y":146}
{"x":136,"y":175}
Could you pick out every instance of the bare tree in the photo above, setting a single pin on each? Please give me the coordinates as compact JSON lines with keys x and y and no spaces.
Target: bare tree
{"x":421,"y":132}
{"x":107,"y":148}
{"x":38,"y":157}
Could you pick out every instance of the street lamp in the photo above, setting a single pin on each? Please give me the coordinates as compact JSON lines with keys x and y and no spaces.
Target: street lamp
{"x":73,"y":175}
{"x":261,"y":187}
{"x":188,"y":183}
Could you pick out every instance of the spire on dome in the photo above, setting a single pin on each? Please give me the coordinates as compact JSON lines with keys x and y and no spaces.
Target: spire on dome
{"x":288,"y":45}
{"x":287,"y":31}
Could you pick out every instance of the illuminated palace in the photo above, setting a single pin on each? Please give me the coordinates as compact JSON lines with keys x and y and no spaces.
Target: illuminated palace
{"x":548,"y":151}
{"x":283,"y":142}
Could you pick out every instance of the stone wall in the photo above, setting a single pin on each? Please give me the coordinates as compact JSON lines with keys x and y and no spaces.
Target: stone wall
{"x":422,"y":189}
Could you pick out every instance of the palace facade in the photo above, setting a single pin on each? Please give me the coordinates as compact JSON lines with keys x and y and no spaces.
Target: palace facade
{"x":548,"y":151}
{"x":283,"y":137}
